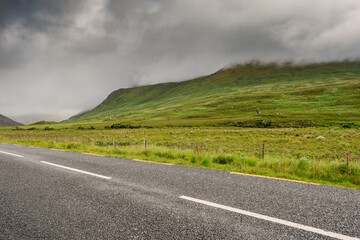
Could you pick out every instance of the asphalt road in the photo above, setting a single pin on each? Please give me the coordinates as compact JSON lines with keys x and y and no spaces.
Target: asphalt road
{"x":47,"y":194}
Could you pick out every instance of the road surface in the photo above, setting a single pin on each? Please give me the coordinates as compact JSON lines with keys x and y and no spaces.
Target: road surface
{"x":48,"y":194}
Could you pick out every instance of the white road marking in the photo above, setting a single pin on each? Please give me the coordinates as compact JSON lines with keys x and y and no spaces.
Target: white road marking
{"x":12,"y":154}
{"x":272,"y":219}
{"x":77,"y":170}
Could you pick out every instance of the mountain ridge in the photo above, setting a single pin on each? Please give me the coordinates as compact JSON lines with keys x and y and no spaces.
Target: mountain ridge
{"x":5,"y":122}
{"x":240,"y":95}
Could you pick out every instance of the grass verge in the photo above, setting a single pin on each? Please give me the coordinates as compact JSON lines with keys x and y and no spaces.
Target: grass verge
{"x":326,"y":156}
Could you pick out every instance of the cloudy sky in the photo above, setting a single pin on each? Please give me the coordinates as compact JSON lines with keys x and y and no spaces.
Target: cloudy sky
{"x":60,"y":57}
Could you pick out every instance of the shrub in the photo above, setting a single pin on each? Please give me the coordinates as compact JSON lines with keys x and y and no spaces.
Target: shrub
{"x":263,"y":124}
{"x":100,"y":143}
{"x":342,"y":168}
{"x":181,"y":156}
{"x":223,"y":159}
{"x":117,"y":126}
{"x":120,"y":125}
{"x":206,"y":161}
{"x":72,"y":146}
{"x":48,"y":128}
{"x":349,"y":125}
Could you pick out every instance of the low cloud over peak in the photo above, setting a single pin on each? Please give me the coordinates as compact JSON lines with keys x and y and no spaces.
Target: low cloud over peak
{"x":60,"y":57}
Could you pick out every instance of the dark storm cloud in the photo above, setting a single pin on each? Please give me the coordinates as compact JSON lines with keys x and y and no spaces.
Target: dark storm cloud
{"x":37,"y":15}
{"x":60,"y":57}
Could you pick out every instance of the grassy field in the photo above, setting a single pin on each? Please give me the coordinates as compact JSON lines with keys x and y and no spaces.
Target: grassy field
{"x":288,"y":152}
{"x":295,"y":122}
{"x":252,"y":95}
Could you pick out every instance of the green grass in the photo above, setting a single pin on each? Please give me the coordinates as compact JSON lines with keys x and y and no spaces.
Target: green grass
{"x":293,"y":153}
{"x":221,"y":122}
{"x":317,"y":95}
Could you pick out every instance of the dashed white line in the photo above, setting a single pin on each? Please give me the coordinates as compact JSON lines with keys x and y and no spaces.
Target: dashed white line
{"x":77,"y":170}
{"x":272,"y":219}
{"x":12,"y":154}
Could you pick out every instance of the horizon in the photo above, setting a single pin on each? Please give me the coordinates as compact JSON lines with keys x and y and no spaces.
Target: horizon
{"x":255,"y":63}
{"x":59,"y":59}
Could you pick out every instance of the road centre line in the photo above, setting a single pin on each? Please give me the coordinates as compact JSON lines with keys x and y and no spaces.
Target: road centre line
{"x":12,"y":154}
{"x":77,"y":170}
{"x":271,"y":219}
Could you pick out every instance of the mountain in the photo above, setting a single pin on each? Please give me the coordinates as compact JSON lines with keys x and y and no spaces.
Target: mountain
{"x":79,"y":114}
{"x":5,"y":121}
{"x":249,"y":95}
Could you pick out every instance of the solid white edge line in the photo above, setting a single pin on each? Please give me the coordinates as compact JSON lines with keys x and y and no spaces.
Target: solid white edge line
{"x":12,"y":154}
{"x":77,"y":170}
{"x":271,"y":219}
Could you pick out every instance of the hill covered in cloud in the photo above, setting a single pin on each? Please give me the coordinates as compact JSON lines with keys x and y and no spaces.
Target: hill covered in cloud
{"x":63,"y":57}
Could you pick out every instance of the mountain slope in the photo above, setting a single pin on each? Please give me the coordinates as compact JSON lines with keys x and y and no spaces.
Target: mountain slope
{"x":5,"y":121}
{"x":251,"y":95}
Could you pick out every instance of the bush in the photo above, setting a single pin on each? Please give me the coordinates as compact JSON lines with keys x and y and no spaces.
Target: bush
{"x":349,"y":125}
{"x":223,"y":159}
{"x":206,"y":161}
{"x":263,"y":124}
{"x":120,"y":125}
{"x":342,"y":168}
{"x":117,"y":126}
{"x":48,"y":128}
{"x":72,"y":146}
{"x":100,"y":143}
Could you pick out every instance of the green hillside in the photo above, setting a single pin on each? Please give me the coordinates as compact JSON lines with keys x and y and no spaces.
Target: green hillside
{"x":5,"y":121}
{"x":295,"y":122}
{"x":250,"y":95}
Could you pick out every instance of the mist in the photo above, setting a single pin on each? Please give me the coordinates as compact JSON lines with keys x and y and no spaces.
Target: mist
{"x":58,"y":58}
